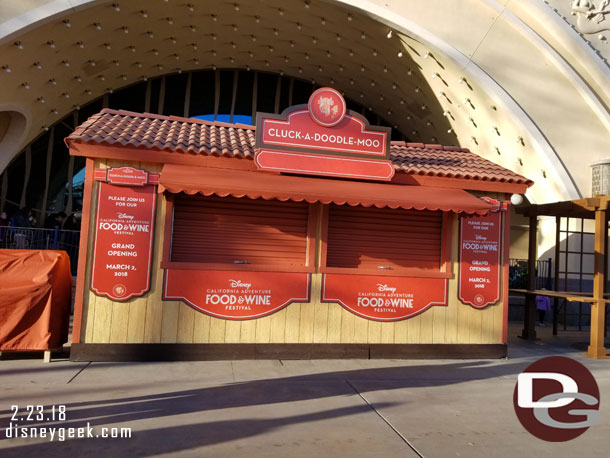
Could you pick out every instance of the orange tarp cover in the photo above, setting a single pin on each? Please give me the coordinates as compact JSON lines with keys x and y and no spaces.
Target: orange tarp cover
{"x":240,"y":183}
{"x":35,"y":295}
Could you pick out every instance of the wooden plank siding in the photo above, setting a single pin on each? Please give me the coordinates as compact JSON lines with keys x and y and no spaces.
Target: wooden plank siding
{"x":148,"y":319}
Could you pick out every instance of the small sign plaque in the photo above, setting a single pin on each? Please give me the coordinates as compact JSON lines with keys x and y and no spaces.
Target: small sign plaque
{"x":127,"y":176}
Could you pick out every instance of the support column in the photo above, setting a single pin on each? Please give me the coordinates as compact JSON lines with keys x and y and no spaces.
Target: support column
{"x":47,"y":175}
{"x":217,"y":94}
{"x":556,"y":272}
{"x":3,"y":189}
{"x":147,"y":96}
{"x":598,"y":307}
{"x":26,"y":178}
{"x":254,"y":97}
{"x":161,"y":104}
{"x":234,"y":95}
{"x":529,"y":322}
{"x":187,"y":96}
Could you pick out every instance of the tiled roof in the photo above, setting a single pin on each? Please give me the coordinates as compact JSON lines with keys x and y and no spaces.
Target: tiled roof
{"x":450,"y":162}
{"x":194,"y":136}
{"x":165,"y":133}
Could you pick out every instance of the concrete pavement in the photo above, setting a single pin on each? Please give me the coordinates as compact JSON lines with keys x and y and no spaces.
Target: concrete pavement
{"x":348,"y":408}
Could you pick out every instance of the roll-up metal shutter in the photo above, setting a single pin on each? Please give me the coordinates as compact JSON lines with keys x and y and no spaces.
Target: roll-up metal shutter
{"x":374,"y":238}
{"x":239,"y":231}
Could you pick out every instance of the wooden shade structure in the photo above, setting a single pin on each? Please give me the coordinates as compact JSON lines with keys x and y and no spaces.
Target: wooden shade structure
{"x":590,"y":208}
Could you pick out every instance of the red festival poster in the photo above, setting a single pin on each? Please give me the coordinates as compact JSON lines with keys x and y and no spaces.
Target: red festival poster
{"x":480,"y":262}
{"x":384,"y":298}
{"x":235,"y":295}
{"x":123,"y":241}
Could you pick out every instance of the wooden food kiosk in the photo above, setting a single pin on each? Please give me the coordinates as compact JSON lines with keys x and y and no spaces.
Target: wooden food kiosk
{"x":309,"y":236}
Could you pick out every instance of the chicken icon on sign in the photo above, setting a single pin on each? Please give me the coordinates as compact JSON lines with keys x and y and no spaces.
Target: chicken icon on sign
{"x":119,"y":290}
{"x":327,"y":107}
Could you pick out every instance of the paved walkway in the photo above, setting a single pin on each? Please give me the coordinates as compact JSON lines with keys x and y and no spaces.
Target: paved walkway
{"x":350,"y":408}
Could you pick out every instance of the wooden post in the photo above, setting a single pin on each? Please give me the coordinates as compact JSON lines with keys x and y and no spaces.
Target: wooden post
{"x":598,"y":307}
{"x":556,"y":272}
{"x":529,"y":321}
{"x":605,"y":289}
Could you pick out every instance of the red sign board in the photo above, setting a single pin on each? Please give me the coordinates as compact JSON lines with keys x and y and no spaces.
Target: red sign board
{"x":480,"y":265}
{"x":127,"y":176}
{"x":323,"y":128}
{"x":300,"y":131}
{"x":138,"y":178}
{"x":384,"y":298}
{"x":235,"y":295}
{"x":318,"y":164}
{"x":123,"y":241}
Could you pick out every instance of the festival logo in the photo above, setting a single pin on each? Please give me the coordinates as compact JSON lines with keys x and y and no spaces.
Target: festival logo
{"x":236,"y":295}
{"x":376,"y":298}
{"x":119,"y":290}
{"x":239,"y":284}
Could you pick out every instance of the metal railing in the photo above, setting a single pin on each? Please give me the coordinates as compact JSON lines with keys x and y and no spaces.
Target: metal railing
{"x":518,"y":273}
{"x":573,"y":315}
{"x":31,"y":238}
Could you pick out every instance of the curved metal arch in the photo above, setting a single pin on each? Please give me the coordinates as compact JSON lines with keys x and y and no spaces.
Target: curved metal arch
{"x":482,"y":78}
{"x":76,"y":117}
{"x":543,"y":147}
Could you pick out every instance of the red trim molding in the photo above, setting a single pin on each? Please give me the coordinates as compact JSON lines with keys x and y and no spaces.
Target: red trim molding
{"x":245,"y":163}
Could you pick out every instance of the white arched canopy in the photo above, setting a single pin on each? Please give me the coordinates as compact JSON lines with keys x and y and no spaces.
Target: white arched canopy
{"x":512,"y":82}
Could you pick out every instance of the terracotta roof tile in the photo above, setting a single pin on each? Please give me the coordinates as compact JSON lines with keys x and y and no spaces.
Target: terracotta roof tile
{"x":451,"y":162}
{"x":165,"y":133}
{"x":195,"y":136}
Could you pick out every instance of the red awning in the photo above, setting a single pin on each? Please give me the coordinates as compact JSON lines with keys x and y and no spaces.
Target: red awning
{"x":240,"y":183}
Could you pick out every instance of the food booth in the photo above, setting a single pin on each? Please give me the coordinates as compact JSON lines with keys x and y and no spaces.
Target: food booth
{"x":310,"y":236}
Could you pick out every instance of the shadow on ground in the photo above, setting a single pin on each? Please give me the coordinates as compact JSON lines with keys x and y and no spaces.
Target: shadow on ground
{"x":208,"y":404}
